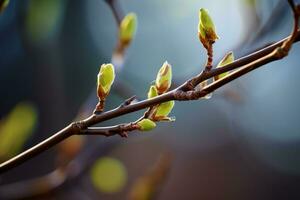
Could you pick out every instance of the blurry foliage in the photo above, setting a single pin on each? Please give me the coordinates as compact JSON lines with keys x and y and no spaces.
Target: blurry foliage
{"x":108,"y":175}
{"x":42,"y":18}
{"x":3,"y":5}
{"x":16,"y":128}
{"x":70,"y":147}
{"x":250,"y":2}
{"x":147,"y":186}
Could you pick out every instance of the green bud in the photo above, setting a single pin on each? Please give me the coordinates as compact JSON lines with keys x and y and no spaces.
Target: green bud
{"x":228,"y":58}
{"x":206,"y":28}
{"x":105,"y":80}
{"x":3,"y":5}
{"x":164,"y":78}
{"x":146,"y":125}
{"x":152,"y":92}
{"x":128,"y":27}
{"x":164,"y":109}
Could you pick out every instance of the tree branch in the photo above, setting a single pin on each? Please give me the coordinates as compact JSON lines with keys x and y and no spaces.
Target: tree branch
{"x":115,"y":8}
{"x":184,"y":92}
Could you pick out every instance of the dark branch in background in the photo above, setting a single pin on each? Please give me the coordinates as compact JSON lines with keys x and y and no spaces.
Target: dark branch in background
{"x":272,"y":23}
{"x":117,"y":11}
{"x":183,"y":92}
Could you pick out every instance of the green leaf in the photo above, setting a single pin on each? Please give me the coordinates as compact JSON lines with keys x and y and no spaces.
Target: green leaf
{"x":128,"y":27}
{"x":108,"y":175}
{"x":146,"y":125}
{"x":228,"y":58}
{"x":16,"y":128}
{"x":164,"y":109}
{"x":164,"y":78}
{"x":152,"y":92}
{"x":105,"y":79}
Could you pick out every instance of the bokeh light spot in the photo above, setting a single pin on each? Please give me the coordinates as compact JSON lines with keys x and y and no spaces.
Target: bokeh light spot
{"x":108,"y":175}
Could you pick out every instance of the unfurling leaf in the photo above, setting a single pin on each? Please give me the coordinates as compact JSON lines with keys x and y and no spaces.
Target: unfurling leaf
{"x":152,"y":92}
{"x":146,"y":125}
{"x":206,"y":28}
{"x":228,"y":58}
{"x":164,"y":78}
{"x":128,"y":28}
{"x":164,"y":109}
{"x":105,"y":79}
{"x":3,"y":5}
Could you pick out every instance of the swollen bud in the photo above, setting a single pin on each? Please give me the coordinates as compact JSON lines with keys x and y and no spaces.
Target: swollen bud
{"x":164,"y":109}
{"x":128,"y":28}
{"x":105,"y":80}
{"x":152,"y":92}
{"x":229,"y":58}
{"x":164,"y":78}
{"x":146,"y":125}
{"x":206,"y":28}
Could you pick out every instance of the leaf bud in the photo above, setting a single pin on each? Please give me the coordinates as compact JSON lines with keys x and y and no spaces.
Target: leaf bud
{"x":206,"y":28}
{"x":164,"y":78}
{"x":128,"y":28}
{"x":146,"y":125}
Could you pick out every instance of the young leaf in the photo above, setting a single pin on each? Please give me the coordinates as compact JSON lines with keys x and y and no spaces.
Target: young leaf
{"x":164,"y":78}
{"x":128,"y":27}
{"x":152,"y":92}
{"x":228,"y":58}
{"x":146,"y":125}
{"x":105,"y":79}
{"x":164,"y":109}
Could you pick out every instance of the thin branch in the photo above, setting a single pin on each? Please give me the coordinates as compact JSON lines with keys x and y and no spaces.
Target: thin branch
{"x":255,"y":60}
{"x":128,"y":101}
{"x":120,"y":129}
{"x":236,"y":64}
{"x":117,"y":11}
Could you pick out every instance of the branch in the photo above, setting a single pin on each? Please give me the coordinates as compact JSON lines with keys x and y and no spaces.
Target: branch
{"x":184,"y":92}
{"x":120,"y":129}
{"x":204,"y":75}
{"x":117,"y":12}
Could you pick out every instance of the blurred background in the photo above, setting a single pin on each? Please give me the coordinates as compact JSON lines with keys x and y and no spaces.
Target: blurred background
{"x":243,"y":143}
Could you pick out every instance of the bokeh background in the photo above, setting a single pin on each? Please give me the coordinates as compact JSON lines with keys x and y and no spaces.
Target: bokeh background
{"x":243,"y":143}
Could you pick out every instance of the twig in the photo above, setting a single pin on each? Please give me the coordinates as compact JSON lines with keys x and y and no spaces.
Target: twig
{"x":120,"y":129}
{"x":65,"y":170}
{"x":128,"y":101}
{"x":236,"y":64}
{"x":267,"y":55}
{"x":117,"y":12}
